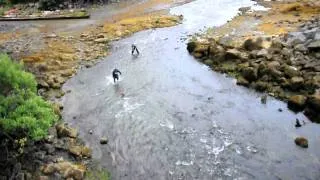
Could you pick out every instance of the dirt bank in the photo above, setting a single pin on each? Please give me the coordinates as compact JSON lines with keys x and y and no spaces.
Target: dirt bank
{"x":274,"y":52}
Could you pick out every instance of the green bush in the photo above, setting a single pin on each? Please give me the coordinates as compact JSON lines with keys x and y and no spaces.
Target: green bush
{"x":22,"y":111}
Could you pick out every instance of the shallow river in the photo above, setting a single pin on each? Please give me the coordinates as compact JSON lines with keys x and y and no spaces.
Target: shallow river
{"x":180,"y":120}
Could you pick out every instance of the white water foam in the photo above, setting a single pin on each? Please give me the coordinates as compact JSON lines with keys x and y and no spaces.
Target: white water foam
{"x":184,"y":163}
{"x":167,"y":123}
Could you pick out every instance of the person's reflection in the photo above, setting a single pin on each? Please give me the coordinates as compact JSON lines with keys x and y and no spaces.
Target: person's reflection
{"x":118,"y":90}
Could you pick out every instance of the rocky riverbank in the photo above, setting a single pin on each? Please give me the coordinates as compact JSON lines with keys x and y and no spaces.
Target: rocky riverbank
{"x":284,"y":64}
{"x":60,"y":155}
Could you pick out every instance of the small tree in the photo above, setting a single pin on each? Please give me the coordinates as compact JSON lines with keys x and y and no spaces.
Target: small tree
{"x":22,"y":112}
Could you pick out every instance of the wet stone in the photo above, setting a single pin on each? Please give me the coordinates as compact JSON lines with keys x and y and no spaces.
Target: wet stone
{"x":103,"y":140}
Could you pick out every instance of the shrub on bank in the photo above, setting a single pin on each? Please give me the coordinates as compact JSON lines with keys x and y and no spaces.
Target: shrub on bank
{"x":22,"y":112}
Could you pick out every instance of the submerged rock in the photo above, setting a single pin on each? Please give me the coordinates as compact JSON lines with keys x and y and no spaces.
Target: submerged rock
{"x":103,"y":140}
{"x":302,"y":142}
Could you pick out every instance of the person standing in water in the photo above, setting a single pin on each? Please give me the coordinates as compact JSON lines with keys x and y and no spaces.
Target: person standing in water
{"x":134,"y":48}
{"x":115,"y":75}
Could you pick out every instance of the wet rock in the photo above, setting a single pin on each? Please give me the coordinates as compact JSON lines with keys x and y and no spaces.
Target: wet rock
{"x":310,"y":34}
{"x":103,"y":140}
{"x":39,"y":155}
{"x":262,"y":53}
{"x":276,"y":44}
{"x":302,"y":142}
{"x":296,"y":83}
{"x":297,"y":102}
{"x":242,"y":81}
{"x":274,"y":65}
{"x":197,"y":55}
{"x":65,"y":131}
{"x":191,"y":46}
{"x":264,"y":99}
{"x":49,"y":148}
{"x":67,"y":169}
{"x":315,"y":45}
{"x":296,"y":38}
{"x":291,"y":71}
{"x":208,"y":62}
{"x":251,"y":45}
{"x":250,"y":73}
{"x":301,"y":48}
{"x":314,"y":102}
{"x":81,"y":151}
{"x":232,"y":54}
{"x":312,"y":114}
{"x":20,"y":176}
{"x":261,"y":86}
{"x":297,"y":123}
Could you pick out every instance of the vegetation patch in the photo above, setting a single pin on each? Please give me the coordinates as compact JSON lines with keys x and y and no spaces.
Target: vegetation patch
{"x":22,"y":112}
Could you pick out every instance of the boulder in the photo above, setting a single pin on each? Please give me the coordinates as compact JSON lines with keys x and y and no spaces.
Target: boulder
{"x":74,"y":173}
{"x":296,"y":83}
{"x":301,"y":48}
{"x":81,"y":151}
{"x":65,"y":131}
{"x":295,"y":38}
{"x":302,"y":142}
{"x":312,"y":114}
{"x":261,"y":86}
{"x":191,"y":46}
{"x":250,"y":44}
{"x":262,"y":53}
{"x":232,"y":54}
{"x":313,"y":102}
{"x":67,"y":169}
{"x":103,"y":140}
{"x":250,"y":73}
{"x":198,"y":55}
{"x":276,"y":44}
{"x":310,"y":33}
{"x":242,"y":81}
{"x":291,"y":71}
{"x":273,"y":65}
{"x":297,"y":102}
{"x":208,"y":62}
{"x":317,"y":35}
{"x":314,"y":46}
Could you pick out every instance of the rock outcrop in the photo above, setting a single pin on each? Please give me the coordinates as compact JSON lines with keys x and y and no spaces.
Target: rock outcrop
{"x":288,"y":69}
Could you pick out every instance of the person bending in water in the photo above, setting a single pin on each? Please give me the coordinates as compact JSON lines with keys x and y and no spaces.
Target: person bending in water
{"x":134,"y":48}
{"x":115,"y":75}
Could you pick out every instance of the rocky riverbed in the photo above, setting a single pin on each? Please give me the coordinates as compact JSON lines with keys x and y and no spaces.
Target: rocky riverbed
{"x":286,"y":66}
